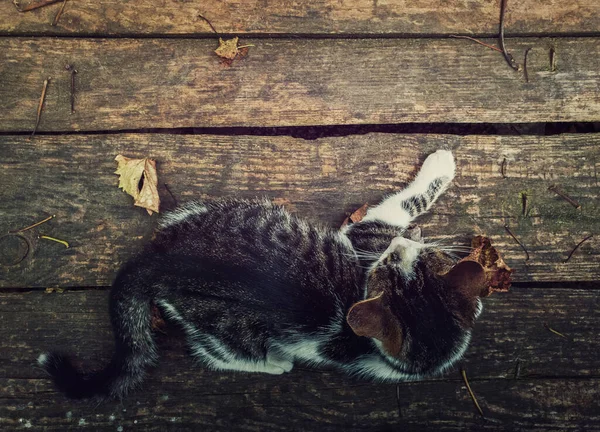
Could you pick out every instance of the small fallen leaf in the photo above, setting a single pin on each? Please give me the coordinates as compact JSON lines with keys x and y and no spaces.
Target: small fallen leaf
{"x":357,"y":216}
{"x":56,"y":290}
{"x":134,"y":172}
{"x":228,"y":48}
{"x":497,"y":273}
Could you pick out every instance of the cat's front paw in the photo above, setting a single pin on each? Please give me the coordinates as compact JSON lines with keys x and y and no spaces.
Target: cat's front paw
{"x":438,"y":165}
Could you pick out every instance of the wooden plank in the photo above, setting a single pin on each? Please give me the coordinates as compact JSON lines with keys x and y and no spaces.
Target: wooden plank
{"x":167,"y":83}
{"x":556,"y":390}
{"x":419,"y":17}
{"x":510,"y":329}
{"x":73,"y":178}
{"x":298,"y":405}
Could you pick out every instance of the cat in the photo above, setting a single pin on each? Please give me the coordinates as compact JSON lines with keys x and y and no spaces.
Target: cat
{"x":257,"y":289}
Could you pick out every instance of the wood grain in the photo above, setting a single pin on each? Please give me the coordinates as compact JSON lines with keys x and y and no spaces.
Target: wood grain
{"x":72,"y":177}
{"x":556,"y":389}
{"x":125,"y":84}
{"x":416,"y":17}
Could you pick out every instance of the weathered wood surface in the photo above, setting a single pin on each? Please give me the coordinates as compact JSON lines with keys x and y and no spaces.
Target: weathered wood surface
{"x":420,"y":17}
{"x":126,"y":84}
{"x":324,"y":180}
{"x":556,"y":388}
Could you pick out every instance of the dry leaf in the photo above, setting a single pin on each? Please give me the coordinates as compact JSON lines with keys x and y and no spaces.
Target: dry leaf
{"x":357,"y":216}
{"x":497,"y":273}
{"x":228,"y":49}
{"x":57,"y":290}
{"x":132,"y":172}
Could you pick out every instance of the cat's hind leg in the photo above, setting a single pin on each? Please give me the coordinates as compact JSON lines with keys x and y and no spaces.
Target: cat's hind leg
{"x":213,"y":353}
{"x":417,"y":198}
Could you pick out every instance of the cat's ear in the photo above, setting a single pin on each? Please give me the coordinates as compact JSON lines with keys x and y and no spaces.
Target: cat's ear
{"x":373,"y":318}
{"x":467,"y":276}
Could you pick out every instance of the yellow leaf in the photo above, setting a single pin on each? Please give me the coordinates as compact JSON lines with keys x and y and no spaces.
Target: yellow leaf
{"x":131,"y":172}
{"x":228,"y":48}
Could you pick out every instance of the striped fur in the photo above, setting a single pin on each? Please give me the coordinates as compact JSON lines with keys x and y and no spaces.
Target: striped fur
{"x":257,"y":289}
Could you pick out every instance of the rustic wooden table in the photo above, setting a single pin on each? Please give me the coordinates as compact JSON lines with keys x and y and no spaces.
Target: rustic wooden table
{"x":379,"y":85}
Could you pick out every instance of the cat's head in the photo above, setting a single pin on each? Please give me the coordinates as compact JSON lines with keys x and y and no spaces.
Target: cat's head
{"x":420,"y":307}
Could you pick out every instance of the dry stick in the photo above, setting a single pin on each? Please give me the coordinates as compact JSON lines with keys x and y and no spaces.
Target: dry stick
{"x":398,"y":400}
{"x":39,"y":110}
{"x":464,"y":375}
{"x":554,"y":331}
{"x":20,"y":259}
{"x":524,"y":203}
{"x":477,"y":41}
{"x":55,"y":240}
{"x":518,"y":242}
{"x":564,"y":196}
{"x":577,"y":247}
{"x":552,"y":59}
{"x":209,"y":23}
{"x":507,"y":56}
{"x":34,"y":225}
{"x":33,"y":6}
{"x":518,"y":369}
{"x":57,"y":17}
{"x":73,"y":71}
{"x":525,"y":64}
{"x":503,"y":168}
{"x":170,"y":193}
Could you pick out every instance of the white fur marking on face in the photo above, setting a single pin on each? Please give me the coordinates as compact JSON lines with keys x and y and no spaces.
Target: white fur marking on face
{"x":408,"y":251}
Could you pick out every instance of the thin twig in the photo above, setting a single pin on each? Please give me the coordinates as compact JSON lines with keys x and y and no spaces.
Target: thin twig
{"x":32,"y":6}
{"x":554,"y":331}
{"x":57,"y":17}
{"x":398,"y":400}
{"x":518,"y":369}
{"x":464,"y":375}
{"x":20,"y":259}
{"x":577,"y":247}
{"x":518,"y":242}
{"x":209,"y":23}
{"x":552,"y":59}
{"x":503,"y":168}
{"x":564,"y":196}
{"x":41,"y":104}
{"x":170,"y":193}
{"x":524,"y":202}
{"x":34,"y":225}
{"x":507,"y":56}
{"x":525,"y":64}
{"x":55,"y":240}
{"x":477,"y":41}
{"x":72,"y":71}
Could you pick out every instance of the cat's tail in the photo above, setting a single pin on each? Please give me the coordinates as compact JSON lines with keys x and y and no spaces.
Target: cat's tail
{"x":135,"y":350}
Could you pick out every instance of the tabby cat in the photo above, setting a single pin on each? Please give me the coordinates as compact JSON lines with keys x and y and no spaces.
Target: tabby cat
{"x":256,"y":289}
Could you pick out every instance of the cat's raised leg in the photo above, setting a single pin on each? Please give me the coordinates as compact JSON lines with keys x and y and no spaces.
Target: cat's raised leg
{"x":401,"y":208}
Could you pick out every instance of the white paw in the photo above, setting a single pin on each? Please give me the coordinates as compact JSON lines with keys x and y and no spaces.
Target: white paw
{"x":438,"y":164}
{"x":279,"y":363}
